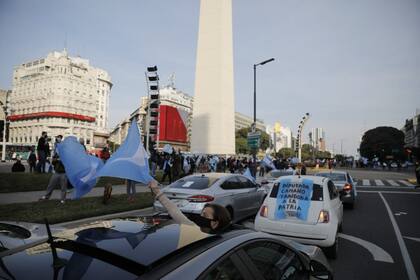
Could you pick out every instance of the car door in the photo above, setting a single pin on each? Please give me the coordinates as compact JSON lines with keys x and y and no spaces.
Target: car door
{"x":335,"y":202}
{"x":237,"y":196}
{"x":271,"y":261}
{"x":229,"y":267}
{"x":253,"y":196}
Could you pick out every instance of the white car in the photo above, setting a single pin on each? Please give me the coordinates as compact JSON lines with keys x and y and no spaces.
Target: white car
{"x":306,"y":209}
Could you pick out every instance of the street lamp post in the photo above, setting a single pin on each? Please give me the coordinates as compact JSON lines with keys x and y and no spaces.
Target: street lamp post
{"x":255,"y":91}
{"x":3,"y":152}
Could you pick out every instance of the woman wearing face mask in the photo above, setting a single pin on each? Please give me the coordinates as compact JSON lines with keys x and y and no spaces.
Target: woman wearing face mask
{"x":214,"y":218}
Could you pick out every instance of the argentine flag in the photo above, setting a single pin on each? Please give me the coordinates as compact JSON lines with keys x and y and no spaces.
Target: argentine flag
{"x":81,"y":168}
{"x":268,"y":162}
{"x":248,"y":174}
{"x":130,"y":161}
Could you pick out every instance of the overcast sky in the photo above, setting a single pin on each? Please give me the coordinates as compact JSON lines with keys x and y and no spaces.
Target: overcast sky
{"x":353,"y":65}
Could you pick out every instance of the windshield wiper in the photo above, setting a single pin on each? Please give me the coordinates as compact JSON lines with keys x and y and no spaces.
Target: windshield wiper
{"x":94,"y":252}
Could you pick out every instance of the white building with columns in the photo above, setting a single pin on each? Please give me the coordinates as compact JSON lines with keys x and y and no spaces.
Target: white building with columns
{"x":59,"y":94}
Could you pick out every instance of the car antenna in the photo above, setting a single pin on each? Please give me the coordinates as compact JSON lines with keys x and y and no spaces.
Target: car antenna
{"x":58,"y":263}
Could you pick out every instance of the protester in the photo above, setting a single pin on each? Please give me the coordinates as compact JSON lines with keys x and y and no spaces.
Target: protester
{"x":167,"y":169}
{"x":262,"y":169}
{"x":18,"y":166}
{"x":214,"y":218}
{"x":417,"y":170}
{"x":105,"y":155}
{"x":82,"y":142}
{"x":32,"y":160}
{"x":131,"y":190}
{"x":58,"y":178}
{"x":43,"y":151}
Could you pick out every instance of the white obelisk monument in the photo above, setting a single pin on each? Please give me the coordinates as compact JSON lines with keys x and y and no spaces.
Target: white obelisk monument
{"x":213,"y":125}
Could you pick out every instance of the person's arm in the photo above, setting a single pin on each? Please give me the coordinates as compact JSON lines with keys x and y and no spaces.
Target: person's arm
{"x":173,"y":210}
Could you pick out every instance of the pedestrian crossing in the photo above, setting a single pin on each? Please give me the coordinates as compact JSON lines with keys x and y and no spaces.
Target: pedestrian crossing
{"x":384,"y":183}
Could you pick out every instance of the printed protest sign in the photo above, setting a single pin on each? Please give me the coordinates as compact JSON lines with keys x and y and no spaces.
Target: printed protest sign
{"x":294,"y":199}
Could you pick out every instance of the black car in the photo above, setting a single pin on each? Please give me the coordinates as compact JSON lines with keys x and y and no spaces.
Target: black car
{"x":155,"y":248}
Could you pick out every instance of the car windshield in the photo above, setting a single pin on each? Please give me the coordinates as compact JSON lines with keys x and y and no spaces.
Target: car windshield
{"x":193,"y":182}
{"x":280,"y":173}
{"x":334,"y":176}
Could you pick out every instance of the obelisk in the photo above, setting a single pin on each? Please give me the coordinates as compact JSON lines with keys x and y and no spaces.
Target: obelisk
{"x":213,"y":125}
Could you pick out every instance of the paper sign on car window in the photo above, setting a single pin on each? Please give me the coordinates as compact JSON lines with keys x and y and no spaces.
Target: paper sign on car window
{"x":294,"y":199}
{"x":187,"y":184}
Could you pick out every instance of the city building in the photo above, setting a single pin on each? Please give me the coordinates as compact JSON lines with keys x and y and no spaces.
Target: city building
{"x":175,"y":113}
{"x":244,"y":121}
{"x":281,"y":137}
{"x":213,"y":127}
{"x":317,"y":139}
{"x":59,"y":94}
{"x":411,"y":131}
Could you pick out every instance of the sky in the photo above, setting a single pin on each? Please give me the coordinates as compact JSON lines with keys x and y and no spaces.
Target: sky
{"x":353,"y":65}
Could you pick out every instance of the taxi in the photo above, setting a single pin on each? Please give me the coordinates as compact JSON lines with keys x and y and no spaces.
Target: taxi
{"x":306,"y":209}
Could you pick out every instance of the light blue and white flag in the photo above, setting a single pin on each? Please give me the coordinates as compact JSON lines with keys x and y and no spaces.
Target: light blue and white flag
{"x":248,"y":174}
{"x":268,"y":162}
{"x":130,"y":161}
{"x":81,"y":168}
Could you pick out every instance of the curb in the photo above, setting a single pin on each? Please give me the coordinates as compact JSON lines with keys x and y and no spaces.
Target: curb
{"x":138,"y":212}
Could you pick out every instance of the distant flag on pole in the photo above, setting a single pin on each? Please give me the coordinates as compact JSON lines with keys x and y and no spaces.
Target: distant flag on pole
{"x":81,"y":168}
{"x":130,"y":161}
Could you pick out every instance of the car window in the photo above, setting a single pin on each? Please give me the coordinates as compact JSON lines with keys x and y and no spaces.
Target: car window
{"x":231,"y":184}
{"x":246,"y":183}
{"x":225,"y":270}
{"x":192,"y":182}
{"x":332,"y":190}
{"x":317,"y":192}
{"x":274,"y":261}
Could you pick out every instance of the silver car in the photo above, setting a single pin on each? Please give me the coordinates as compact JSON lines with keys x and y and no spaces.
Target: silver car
{"x":268,"y":180}
{"x":345,"y":185}
{"x":241,"y":196}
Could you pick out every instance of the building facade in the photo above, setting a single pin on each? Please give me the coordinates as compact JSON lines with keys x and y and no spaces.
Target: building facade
{"x":281,"y":137}
{"x":59,"y":94}
{"x":175,"y":114}
{"x":412,"y":131}
{"x":244,"y":121}
{"x":317,"y":139}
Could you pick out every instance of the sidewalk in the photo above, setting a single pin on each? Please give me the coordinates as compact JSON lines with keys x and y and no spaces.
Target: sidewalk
{"x":22,"y":197}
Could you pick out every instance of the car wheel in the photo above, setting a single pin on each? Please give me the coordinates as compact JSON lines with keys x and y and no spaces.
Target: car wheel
{"x":332,"y":251}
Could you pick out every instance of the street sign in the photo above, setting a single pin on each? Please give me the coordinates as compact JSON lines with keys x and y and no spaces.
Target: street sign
{"x":254,"y":140}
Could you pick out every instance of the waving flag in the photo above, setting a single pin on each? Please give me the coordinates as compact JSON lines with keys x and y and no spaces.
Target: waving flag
{"x":130,"y":161}
{"x":268,"y":162}
{"x":81,"y":168}
{"x":248,"y":174}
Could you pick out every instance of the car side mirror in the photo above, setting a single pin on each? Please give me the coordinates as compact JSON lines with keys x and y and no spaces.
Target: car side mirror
{"x":320,"y":271}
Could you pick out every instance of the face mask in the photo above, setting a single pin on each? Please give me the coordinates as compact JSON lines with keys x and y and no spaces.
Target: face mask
{"x":202,"y":221}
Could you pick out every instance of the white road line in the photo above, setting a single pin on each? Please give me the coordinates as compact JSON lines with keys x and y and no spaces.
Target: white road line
{"x":398,"y":192}
{"x":379,"y":254}
{"x":393,"y":183}
{"x":365,"y":182}
{"x":412,"y":238}
{"x":379,"y":183}
{"x":406,"y":183}
{"x":404,"y":252}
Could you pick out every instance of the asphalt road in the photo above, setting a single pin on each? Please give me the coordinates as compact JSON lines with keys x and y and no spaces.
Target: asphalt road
{"x":371,"y":221}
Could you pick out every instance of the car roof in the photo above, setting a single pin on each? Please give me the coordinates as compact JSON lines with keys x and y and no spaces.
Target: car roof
{"x":294,"y":178}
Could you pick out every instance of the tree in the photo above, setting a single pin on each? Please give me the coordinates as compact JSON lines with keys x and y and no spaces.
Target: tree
{"x":286,"y":153}
{"x":241,"y":141}
{"x":383,"y":142}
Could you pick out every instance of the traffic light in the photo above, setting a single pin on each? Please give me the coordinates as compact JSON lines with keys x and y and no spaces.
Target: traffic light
{"x":153,"y":110}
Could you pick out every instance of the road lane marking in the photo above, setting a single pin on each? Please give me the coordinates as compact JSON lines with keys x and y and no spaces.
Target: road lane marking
{"x":406,"y":183}
{"x":365,"y":182}
{"x":379,"y":183}
{"x":404,"y":252}
{"x":379,"y":254}
{"x":393,"y":183}
{"x":382,"y":191}
{"x":400,"y":213}
{"x":412,"y":238}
